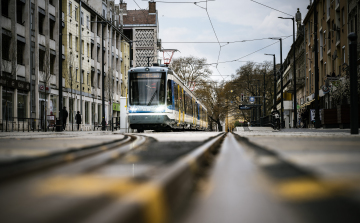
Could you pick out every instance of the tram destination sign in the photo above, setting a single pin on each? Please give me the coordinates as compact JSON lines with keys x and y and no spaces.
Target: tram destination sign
{"x":148,"y":75}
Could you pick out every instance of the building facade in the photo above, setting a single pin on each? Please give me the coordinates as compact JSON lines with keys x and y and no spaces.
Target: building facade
{"x":30,"y":50}
{"x":332,"y":32}
{"x":141,"y":27}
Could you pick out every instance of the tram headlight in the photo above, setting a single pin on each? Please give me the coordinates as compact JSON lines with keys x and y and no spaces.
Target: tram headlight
{"x":160,"y":109}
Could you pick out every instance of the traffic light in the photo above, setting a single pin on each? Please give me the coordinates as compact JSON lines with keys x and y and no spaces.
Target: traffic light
{"x":242,"y":97}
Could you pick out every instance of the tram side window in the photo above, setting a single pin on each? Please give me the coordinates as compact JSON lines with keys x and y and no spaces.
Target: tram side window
{"x":187,"y":104}
{"x":176,"y":94}
{"x":169,"y":93}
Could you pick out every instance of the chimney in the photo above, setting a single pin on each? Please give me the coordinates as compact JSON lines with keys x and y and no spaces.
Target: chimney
{"x":152,"y":7}
{"x":123,"y":5}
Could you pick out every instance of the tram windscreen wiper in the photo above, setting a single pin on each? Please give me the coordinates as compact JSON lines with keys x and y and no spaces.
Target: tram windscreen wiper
{"x":152,"y":98}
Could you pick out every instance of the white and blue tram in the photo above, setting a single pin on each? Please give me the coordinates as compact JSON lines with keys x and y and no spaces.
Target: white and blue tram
{"x":158,"y":100}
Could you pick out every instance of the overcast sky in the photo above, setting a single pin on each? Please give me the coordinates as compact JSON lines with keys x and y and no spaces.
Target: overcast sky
{"x":233,"y":20}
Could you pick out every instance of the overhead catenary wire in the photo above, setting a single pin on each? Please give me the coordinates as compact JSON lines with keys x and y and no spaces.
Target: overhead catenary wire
{"x":272,"y":8}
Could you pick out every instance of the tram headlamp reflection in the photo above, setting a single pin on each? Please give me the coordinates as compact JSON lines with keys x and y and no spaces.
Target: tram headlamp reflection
{"x":160,"y":109}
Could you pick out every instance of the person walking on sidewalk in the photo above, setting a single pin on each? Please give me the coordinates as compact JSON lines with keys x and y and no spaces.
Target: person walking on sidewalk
{"x":65,"y":114}
{"x":78,"y":120}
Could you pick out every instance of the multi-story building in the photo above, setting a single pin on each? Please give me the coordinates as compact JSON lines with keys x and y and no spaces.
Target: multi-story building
{"x":354,"y":21}
{"x":288,"y":77}
{"x":85,"y":27}
{"x":332,"y":32}
{"x":30,"y":44}
{"x":28,"y":51}
{"x":141,"y":27}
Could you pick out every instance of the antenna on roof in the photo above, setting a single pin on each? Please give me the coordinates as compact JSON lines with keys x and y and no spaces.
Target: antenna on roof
{"x":167,"y":60}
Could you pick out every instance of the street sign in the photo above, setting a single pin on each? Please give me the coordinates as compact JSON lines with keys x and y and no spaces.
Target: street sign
{"x":244,"y":107}
{"x":252,"y":99}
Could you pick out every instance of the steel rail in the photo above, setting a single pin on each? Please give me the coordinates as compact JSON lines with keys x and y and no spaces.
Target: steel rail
{"x":24,"y":166}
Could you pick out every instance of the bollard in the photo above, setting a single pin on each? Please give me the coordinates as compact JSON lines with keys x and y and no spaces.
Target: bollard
{"x":354,"y":115}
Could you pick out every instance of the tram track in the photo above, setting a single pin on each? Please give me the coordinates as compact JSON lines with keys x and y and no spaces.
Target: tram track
{"x":90,"y":188}
{"x":23,"y":166}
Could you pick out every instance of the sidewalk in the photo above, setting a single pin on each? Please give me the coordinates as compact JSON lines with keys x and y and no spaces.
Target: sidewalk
{"x":332,"y":154}
{"x":15,"y":145}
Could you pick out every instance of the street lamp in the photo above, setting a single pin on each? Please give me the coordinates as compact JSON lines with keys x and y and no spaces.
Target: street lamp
{"x":281,"y":82}
{"x":298,"y":17}
{"x":274,"y":77}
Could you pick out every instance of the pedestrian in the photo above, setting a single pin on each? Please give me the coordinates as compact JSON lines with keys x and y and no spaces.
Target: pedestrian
{"x":65,"y":114}
{"x":78,"y":119}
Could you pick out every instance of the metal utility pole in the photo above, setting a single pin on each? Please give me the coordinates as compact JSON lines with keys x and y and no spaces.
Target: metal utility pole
{"x":294,"y":68}
{"x":282,"y":89}
{"x":30,"y":57}
{"x":264,"y":95}
{"x":295,"y":100}
{"x":317,"y":115}
{"x":354,"y":112}
{"x":81,"y":55}
{"x":102,"y":79}
{"x":60,"y":67}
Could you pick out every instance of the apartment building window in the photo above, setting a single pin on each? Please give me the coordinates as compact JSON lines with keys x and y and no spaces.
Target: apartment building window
{"x":5,"y":8}
{"x":52,"y":63}
{"x":88,"y":50}
{"x":20,"y":51}
{"x":99,"y":79}
{"x":76,"y":75}
{"x":98,"y":53}
{"x":87,"y":112}
{"x":77,"y":44}
{"x":92,"y":51}
{"x":52,"y":28}
{"x":20,"y":12}
{"x":92,"y":78}
{"x":6,"y":42}
{"x":76,"y":14}
{"x":83,"y":47}
{"x":88,"y":78}
{"x":82,"y":18}
{"x":52,"y":2}
{"x":41,"y":20}
{"x":328,"y":8}
{"x":87,"y":22}
{"x":343,"y":54}
{"x":70,"y":40}
{"x":41,"y":58}
{"x":324,"y":7}
{"x":82,"y":76}
{"x":343,"y":16}
{"x":70,"y":10}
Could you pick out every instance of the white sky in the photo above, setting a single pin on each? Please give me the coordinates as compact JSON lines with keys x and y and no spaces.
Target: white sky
{"x":233,"y":20}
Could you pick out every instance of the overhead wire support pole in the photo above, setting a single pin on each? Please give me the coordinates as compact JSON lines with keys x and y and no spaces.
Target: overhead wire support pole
{"x":81,"y":55}
{"x":317,"y":114}
{"x":103,"y":124}
{"x":60,"y":68}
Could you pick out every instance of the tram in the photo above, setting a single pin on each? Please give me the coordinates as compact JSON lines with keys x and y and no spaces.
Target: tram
{"x":158,"y":100}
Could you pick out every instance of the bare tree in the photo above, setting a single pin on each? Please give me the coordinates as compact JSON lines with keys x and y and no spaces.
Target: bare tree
{"x":69,"y":72}
{"x":192,"y":70}
{"x":46,"y":74}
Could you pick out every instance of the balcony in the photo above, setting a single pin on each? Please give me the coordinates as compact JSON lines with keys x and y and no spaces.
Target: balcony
{"x":51,"y":10}
{"x":6,"y":23}
{"x":41,"y":39}
{"x":92,"y":63}
{"x":337,"y":7}
{"x":52,"y":44}
{"x":20,"y":29}
{"x":300,"y":82}
{"x":337,"y":38}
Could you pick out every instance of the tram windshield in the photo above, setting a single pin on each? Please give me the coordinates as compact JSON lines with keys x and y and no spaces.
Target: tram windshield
{"x":147,"y":89}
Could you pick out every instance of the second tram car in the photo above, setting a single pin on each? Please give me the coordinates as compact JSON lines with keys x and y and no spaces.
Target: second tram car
{"x":158,"y":100}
